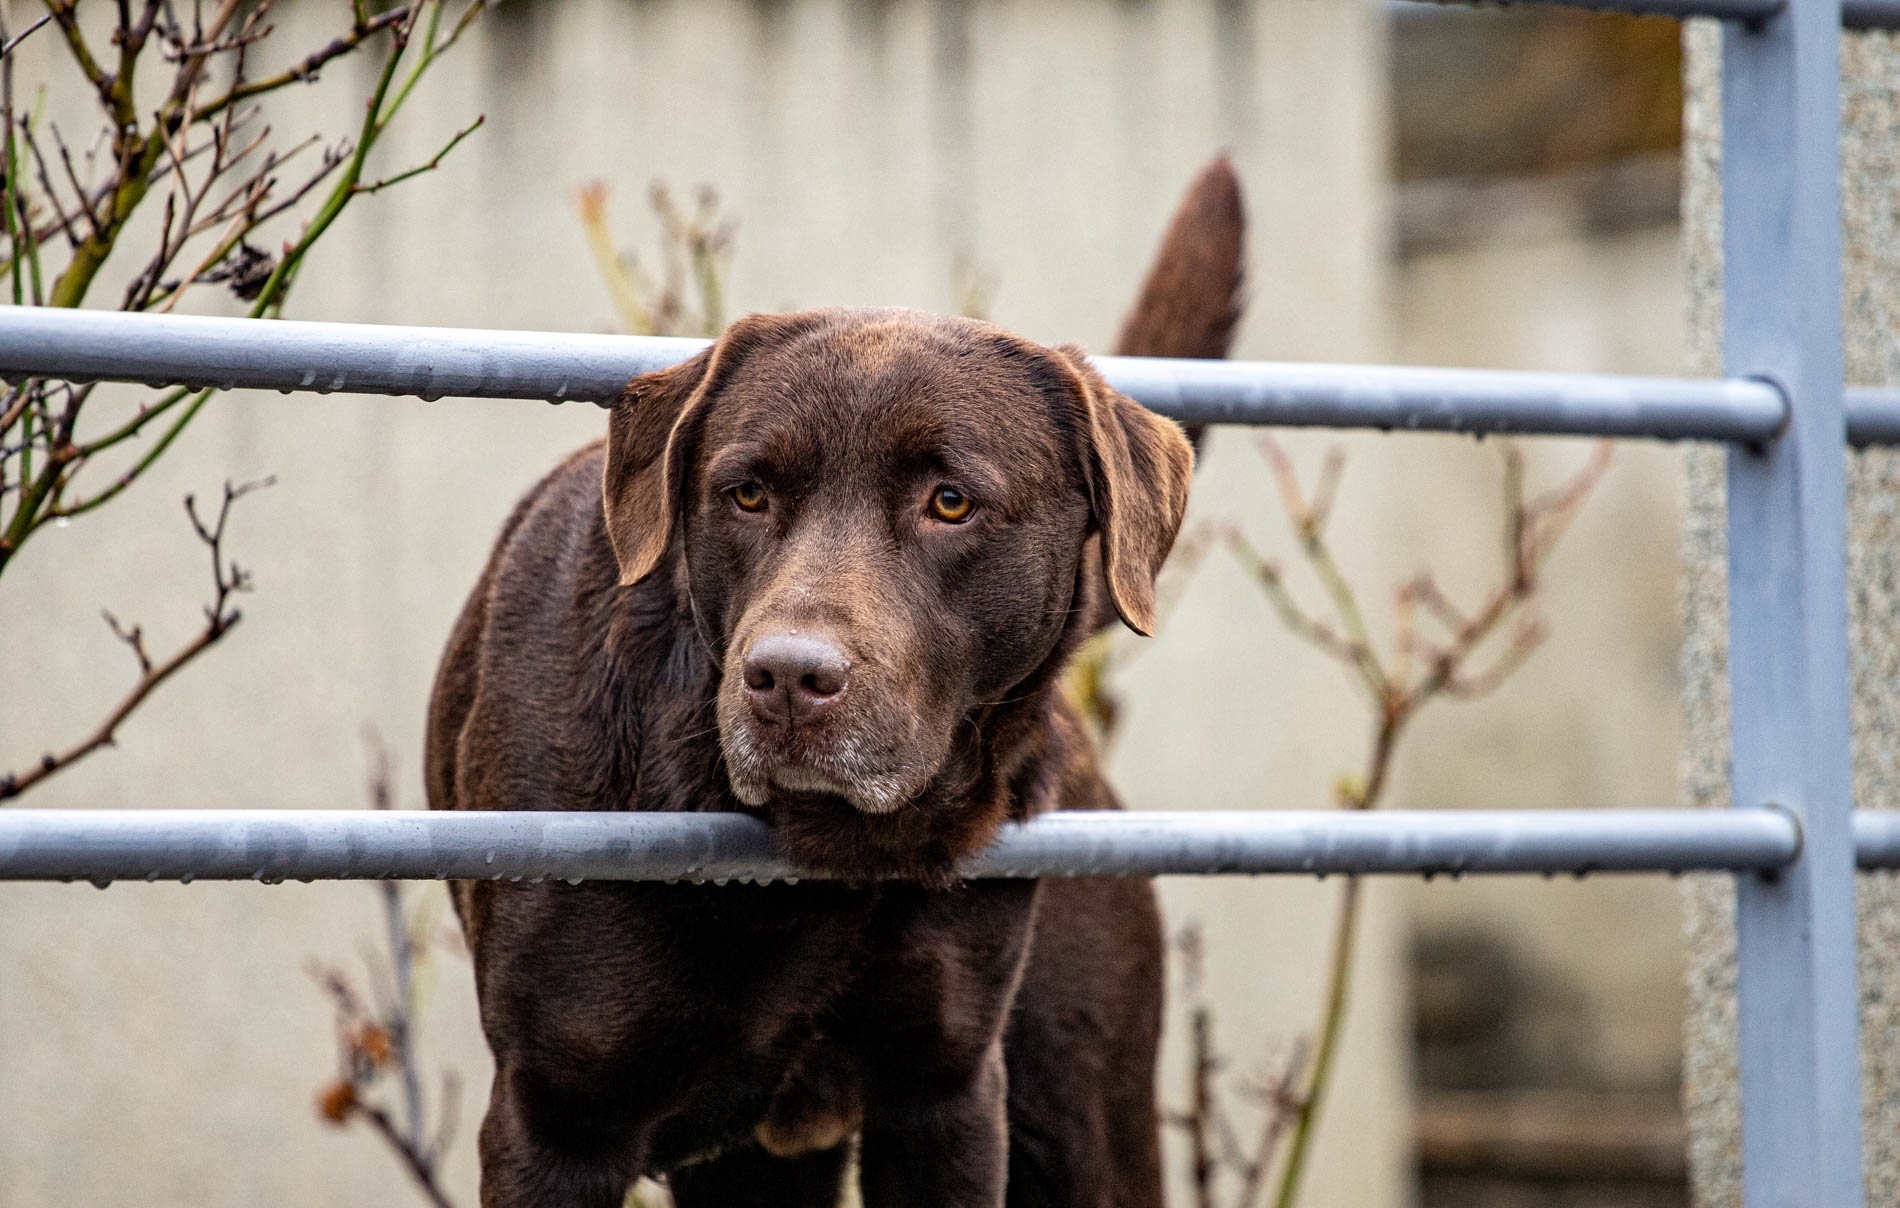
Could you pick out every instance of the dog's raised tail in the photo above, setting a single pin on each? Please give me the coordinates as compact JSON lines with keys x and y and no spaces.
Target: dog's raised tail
{"x":1191,"y":300}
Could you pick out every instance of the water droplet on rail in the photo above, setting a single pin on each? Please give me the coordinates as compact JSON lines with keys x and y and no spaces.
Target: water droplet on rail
{"x":101,"y":882}
{"x":187,"y":878}
{"x":574,"y":880}
{"x":489,"y":857}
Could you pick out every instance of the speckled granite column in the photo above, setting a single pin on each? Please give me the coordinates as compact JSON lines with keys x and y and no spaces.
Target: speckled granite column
{"x":1870,"y":185}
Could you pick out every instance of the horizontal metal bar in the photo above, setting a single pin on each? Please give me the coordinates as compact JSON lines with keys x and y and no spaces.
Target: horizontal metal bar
{"x":277,"y":845}
{"x":1870,"y":14}
{"x":290,"y":355}
{"x":1872,"y":414}
{"x":1393,"y":398}
{"x":435,"y":362}
{"x":1876,"y":839}
{"x":1855,"y":14}
{"x":1734,"y":10}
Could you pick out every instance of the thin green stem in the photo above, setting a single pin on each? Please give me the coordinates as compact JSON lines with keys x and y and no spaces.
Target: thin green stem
{"x":14,"y":193}
{"x":144,"y":463}
{"x":1332,"y":1028}
{"x":433,"y":163}
{"x":133,"y":426}
{"x":33,"y":493}
{"x":268,"y":299}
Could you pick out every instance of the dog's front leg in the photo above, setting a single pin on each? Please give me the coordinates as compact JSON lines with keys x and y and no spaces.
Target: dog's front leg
{"x":937,"y":1142}
{"x":536,"y":1158}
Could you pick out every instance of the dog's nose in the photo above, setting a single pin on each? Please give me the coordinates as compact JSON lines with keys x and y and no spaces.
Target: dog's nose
{"x":793,"y":678}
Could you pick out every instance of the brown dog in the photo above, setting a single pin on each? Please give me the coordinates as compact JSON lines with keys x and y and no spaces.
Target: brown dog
{"x":828,"y":571}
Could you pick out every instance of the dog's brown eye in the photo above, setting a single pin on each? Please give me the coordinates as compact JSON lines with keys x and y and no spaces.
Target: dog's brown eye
{"x":950,"y":505}
{"x":750,"y":496}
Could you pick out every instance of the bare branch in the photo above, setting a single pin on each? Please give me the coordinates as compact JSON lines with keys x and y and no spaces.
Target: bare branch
{"x":1302,"y":624}
{"x":365,"y":27}
{"x":133,"y":637}
{"x":219,"y":620}
{"x":1424,"y":590}
{"x":378,"y":1040}
{"x":1529,"y":636}
{"x":1284,"y":1105}
{"x":1331,"y":471}
{"x":434,"y":162}
{"x":421,"y":1168}
{"x":13,"y":42}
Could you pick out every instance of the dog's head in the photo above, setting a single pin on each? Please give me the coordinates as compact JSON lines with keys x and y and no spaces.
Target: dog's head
{"x":878,"y":521}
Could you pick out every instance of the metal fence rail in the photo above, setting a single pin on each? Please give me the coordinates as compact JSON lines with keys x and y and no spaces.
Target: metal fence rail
{"x":437,"y":362}
{"x":1855,"y":14}
{"x":279,"y":845}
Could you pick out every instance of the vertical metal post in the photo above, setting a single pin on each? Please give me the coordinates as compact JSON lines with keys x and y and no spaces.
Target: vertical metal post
{"x":1781,"y":240}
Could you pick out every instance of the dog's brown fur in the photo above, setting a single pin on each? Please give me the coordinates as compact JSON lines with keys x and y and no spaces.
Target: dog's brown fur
{"x":739,"y":1037}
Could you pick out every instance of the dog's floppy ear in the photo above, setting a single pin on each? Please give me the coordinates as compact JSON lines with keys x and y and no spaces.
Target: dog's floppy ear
{"x":1138,"y":466}
{"x":653,"y":432}
{"x":648,"y":432}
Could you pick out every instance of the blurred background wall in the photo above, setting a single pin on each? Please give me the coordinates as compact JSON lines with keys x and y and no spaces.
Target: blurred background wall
{"x":1424,"y":186}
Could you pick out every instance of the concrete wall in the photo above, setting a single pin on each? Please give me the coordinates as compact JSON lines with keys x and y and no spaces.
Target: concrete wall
{"x":1870,"y":145}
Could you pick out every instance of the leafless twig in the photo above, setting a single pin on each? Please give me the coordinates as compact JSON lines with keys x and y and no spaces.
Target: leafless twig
{"x":688,"y":296}
{"x":375,"y":1041}
{"x":228,"y":579}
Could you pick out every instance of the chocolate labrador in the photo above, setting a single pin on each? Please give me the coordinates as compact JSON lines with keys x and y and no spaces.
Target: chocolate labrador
{"x":827,"y":571}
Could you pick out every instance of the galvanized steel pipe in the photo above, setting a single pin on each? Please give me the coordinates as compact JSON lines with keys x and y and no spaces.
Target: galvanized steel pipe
{"x":1876,"y":840}
{"x":1855,"y":14}
{"x":279,"y":845}
{"x":430,"y":362}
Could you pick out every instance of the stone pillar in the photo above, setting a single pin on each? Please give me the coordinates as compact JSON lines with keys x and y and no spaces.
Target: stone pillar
{"x":1870,"y":170}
